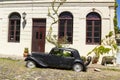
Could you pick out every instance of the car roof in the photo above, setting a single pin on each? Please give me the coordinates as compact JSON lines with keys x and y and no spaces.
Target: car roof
{"x":63,"y":48}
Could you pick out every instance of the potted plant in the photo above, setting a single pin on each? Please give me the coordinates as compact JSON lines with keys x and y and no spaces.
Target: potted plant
{"x":107,"y":44}
{"x":108,"y":60}
{"x":95,"y":60}
{"x":98,"y":51}
{"x":26,"y":52}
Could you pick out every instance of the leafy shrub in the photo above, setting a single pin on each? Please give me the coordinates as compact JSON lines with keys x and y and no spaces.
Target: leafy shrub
{"x":26,"y":50}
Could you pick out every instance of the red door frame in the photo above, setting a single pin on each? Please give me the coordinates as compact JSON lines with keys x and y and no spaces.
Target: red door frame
{"x":40,"y":25}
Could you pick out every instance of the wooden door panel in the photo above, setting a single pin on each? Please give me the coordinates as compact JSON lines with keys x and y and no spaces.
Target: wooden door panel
{"x":38,"y":39}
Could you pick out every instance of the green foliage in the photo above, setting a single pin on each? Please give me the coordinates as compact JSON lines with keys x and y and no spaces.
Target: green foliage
{"x":110,"y":34}
{"x":66,"y":54}
{"x":53,"y":14}
{"x":116,"y":5}
{"x":100,"y":50}
{"x":108,"y":41}
{"x":26,"y":50}
{"x":62,"y":53}
{"x":58,"y":53}
{"x":116,"y":28}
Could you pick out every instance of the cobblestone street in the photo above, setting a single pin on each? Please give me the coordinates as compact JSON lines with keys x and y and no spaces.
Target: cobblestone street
{"x":16,"y":70}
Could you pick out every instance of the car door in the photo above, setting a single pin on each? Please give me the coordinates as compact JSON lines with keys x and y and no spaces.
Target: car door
{"x":67,"y":61}
{"x":53,"y":60}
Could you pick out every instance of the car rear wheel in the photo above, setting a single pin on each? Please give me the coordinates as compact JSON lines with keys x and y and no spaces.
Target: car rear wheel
{"x":77,"y":67}
{"x":30,"y":64}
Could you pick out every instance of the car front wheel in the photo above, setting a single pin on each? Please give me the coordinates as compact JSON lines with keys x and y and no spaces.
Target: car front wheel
{"x":30,"y":64}
{"x":77,"y":67}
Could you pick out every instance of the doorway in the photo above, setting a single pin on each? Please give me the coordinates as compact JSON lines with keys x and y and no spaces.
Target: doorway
{"x":38,"y":35}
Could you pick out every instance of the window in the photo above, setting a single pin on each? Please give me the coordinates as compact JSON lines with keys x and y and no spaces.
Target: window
{"x":14,"y":27}
{"x":67,"y":53}
{"x":65,"y":27}
{"x":57,"y":52}
{"x":93,"y":28}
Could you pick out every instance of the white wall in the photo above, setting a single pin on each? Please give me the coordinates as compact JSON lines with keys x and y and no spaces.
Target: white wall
{"x":39,"y":11}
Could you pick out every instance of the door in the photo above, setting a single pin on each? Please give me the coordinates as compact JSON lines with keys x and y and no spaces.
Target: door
{"x":53,"y":60}
{"x":67,"y":62}
{"x":38,"y":35}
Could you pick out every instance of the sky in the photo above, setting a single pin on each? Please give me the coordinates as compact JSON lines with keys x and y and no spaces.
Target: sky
{"x":118,"y":12}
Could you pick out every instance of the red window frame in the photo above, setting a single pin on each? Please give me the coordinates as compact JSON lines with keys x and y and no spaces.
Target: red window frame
{"x":93,"y":28}
{"x":14,"y":27}
{"x":66,"y":27}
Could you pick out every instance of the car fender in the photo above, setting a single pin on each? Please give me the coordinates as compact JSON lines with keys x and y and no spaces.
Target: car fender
{"x":80,"y":62}
{"x":36,"y":61}
{"x":89,"y":59}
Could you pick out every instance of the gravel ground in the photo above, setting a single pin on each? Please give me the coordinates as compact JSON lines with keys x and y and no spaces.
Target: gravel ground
{"x":16,"y":70}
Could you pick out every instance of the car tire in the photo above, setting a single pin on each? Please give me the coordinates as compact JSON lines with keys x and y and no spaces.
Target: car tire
{"x":30,"y":64}
{"x":77,"y":67}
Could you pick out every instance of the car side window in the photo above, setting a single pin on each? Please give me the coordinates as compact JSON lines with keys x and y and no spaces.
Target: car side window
{"x":57,"y":52}
{"x":63,"y":53}
{"x":67,"y":53}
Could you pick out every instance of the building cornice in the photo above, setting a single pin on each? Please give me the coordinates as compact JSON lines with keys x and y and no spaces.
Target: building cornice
{"x":47,"y":4}
{"x":57,"y":0}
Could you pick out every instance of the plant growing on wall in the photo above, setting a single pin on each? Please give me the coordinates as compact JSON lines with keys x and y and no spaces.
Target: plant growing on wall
{"x":107,"y":44}
{"x":116,"y":28}
{"x":110,"y":41}
{"x":53,"y":14}
{"x":100,"y":50}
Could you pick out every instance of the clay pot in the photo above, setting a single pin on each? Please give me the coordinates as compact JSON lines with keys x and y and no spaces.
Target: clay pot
{"x":25,"y":54}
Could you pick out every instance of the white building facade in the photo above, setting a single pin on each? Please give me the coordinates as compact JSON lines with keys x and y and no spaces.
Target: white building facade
{"x":85,"y":22}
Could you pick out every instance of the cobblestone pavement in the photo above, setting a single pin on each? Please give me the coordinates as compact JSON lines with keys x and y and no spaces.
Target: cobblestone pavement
{"x":16,"y":70}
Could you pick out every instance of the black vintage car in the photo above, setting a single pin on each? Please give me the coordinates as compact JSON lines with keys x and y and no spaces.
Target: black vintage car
{"x":67,"y":58}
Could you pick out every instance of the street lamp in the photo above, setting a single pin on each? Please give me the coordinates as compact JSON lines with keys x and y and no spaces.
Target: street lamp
{"x":23,"y":15}
{"x":24,"y":20}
